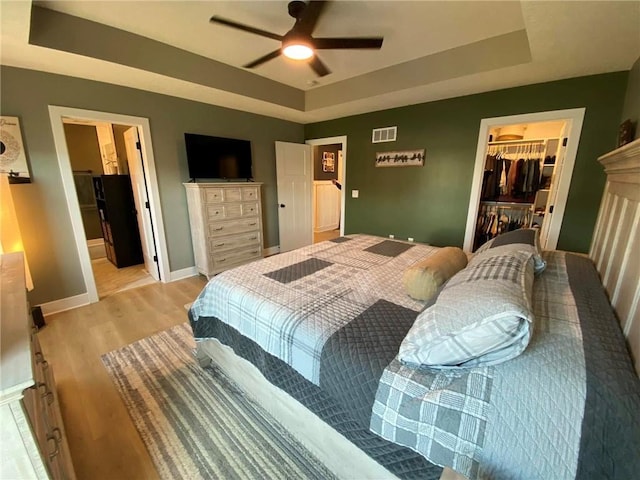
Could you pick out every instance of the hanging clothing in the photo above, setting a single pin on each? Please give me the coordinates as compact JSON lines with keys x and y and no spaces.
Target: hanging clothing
{"x":495,"y":219}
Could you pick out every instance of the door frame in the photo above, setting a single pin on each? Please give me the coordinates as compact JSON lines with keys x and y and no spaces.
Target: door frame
{"x":574,"y":119}
{"x":343,"y":170}
{"x":57,"y":115}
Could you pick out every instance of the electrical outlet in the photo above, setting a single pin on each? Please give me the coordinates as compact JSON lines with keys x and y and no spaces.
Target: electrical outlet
{"x":410,"y":239}
{"x":355,"y":193}
{"x":392,"y":236}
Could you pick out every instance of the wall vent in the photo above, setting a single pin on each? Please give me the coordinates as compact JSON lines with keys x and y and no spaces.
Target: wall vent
{"x":386,"y":134}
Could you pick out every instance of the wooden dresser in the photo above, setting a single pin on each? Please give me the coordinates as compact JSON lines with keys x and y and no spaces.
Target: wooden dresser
{"x":226,"y":224}
{"x":32,"y":437}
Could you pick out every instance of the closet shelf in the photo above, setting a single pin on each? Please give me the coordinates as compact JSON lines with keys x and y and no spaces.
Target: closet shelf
{"x":512,"y":142}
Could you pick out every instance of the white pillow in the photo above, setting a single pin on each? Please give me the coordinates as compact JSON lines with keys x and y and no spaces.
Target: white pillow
{"x":483,"y":315}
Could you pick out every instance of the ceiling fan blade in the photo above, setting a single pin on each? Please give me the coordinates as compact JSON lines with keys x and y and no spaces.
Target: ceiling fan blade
{"x":246,"y":28}
{"x":344,"y":43}
{"x":318,"y":66}
{"x":261,"y":60}
{"x":310,"y":15}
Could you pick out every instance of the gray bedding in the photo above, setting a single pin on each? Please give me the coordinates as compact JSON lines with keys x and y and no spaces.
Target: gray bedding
{"x":325,"y":322}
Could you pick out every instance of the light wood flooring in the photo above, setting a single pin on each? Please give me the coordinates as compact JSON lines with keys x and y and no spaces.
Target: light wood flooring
{"x":328,"y":235}
{"x":103,"y":441}
{"x":111,"y":279}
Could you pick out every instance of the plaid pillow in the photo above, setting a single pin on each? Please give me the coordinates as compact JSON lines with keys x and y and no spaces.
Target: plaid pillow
{"x":483,"y":315}
{"x":519,"y":238}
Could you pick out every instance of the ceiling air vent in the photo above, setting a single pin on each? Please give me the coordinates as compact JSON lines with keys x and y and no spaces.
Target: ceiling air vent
{"x":386,"y":134}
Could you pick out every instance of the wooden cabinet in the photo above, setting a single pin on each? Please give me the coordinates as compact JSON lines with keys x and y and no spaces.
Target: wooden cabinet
{"x":118,"y":220}
{"x":226,"y":224}
{"x":32,"y":440}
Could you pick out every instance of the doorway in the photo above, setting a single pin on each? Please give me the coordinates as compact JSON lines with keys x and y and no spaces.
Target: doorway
{"x":329,"y":156}
{"x":522,"y":174}
{"x":105,"y":171}
{"x":113,"y":164}
{"x":296,"y":199}
{"x":327,"y":186}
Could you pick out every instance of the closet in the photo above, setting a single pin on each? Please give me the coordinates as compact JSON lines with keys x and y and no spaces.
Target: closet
{"x":517,"y":184}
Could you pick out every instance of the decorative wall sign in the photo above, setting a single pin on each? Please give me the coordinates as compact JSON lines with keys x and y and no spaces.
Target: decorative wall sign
{"x":407,"y":158}
{"x":12,"y":157}
{"x":328,"y":162}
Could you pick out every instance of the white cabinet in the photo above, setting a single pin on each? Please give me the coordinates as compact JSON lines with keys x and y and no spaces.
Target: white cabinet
{"x":32,"y":437}
{"x":226,"y":224}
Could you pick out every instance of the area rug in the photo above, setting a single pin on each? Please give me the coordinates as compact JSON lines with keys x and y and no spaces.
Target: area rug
{"x":196,"y":423}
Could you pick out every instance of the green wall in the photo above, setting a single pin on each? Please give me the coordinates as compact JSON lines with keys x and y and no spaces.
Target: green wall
{"x":430,"y":203}
{"x":41,"y":205}
{"x":631,"y":107}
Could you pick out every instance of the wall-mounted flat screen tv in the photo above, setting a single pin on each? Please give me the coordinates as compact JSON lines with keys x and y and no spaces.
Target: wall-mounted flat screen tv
{"x":217,"y":157}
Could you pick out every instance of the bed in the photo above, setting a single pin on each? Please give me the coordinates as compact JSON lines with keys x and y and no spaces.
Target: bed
{"x":314,"y":336}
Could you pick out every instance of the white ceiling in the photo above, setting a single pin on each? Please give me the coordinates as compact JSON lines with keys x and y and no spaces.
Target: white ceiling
{"x":565,"y":39}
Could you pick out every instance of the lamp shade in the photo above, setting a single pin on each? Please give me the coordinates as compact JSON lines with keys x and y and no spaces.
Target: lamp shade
{"x":10,"y":237}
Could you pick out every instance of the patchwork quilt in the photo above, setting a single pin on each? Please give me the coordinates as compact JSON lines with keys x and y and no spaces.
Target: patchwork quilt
{"x":325,"y":322}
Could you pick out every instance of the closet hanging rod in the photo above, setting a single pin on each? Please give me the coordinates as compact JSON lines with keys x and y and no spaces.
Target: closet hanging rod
{"x":507,"y":142}
{"x":514,"y":205}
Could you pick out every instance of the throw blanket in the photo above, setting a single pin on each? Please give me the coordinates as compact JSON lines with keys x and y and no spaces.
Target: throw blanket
{"x":335,"y":314}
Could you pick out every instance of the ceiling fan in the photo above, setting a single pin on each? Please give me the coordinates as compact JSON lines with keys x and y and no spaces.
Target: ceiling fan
{"x":298,"y":43}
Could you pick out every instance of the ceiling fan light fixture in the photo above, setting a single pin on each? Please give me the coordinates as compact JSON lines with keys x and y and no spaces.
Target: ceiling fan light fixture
{"x":298,"y":51}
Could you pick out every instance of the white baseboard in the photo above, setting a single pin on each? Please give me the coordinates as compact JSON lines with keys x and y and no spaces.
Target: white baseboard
{"x":267,"y":252}
{"x":96,"y":248}
{"x":64,"y":304}
{"x":183,"y":273}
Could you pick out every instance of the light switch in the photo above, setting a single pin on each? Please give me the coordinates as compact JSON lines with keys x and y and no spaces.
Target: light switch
{"x":355,"y":193}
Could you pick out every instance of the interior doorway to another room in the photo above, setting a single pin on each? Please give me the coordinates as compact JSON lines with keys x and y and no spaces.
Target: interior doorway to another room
{"x":327,"y":187}
{"x":300,"y":213}
{"x":104,"y":166}
{"x":143,"y":185}
{"x":523,"y":171}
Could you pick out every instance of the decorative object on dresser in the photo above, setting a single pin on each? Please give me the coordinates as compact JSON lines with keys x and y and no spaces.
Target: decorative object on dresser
{"x":117,"y":212}
{"x":33,"y":441}
{"x":226,"y":224}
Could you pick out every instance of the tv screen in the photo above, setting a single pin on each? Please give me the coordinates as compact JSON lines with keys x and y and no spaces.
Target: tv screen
{"x":217,"y":157}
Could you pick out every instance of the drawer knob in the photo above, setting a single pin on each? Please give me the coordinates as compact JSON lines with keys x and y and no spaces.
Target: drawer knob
{"x":222,"y":260}
{"x":252,"y":224}
{"x":218,"y":229}
{"x":220,"y":245}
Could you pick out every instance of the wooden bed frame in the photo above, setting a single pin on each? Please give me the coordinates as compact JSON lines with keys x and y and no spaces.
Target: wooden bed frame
{"x":615,"y":251}
{"x":615,"y":248}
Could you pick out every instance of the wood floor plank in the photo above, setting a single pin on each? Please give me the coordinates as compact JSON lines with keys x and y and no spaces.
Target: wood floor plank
{"x":103,"y":441}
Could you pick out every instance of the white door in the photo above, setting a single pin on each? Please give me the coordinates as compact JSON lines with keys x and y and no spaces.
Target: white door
{"x":553,"y":194}
{"x":295,"y":180}
{"x":141,"y":199}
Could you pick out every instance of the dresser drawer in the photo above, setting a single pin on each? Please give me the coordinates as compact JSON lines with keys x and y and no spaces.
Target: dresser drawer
{"x":222,"y":194}
{"x":218,"y":244}
{"x":223,"y":211}
{"x":249,"y":193}
{"x":249,"y":209}
{"x":224,"y":260}
{"x":233,"y":226}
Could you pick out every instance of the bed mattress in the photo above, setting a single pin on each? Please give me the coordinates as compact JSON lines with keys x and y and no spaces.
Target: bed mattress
{"x":324,"y":323}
